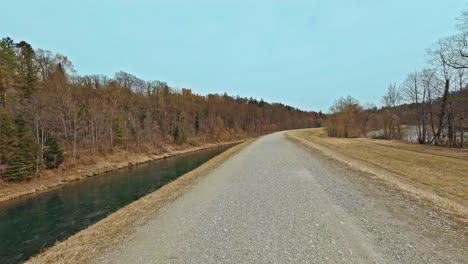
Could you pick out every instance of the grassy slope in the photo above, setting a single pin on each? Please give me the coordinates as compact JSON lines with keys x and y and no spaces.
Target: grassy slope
{"x":437,"y":170}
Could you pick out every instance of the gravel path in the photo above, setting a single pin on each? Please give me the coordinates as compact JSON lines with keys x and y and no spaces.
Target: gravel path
{"x":276,"y":202}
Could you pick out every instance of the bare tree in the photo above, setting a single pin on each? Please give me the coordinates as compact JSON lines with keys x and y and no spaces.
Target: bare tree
{"x":346,"y":119}
{"x":391,"y":122}
{"x":439,"y":55}
{"x":46,"y":62}
{"x":461,"y":74}
{"x":414,"y":94}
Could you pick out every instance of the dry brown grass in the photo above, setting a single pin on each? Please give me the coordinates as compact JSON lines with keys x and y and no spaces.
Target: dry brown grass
{"x":86,"y":245}
{"x":87,"y":167}
{"x":436,"y":174}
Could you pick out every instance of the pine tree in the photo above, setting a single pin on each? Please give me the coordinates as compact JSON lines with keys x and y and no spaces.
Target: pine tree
{"x":21,"y":163}
{"x":53,"y":155}
{"x":7,"y":137}
{"x":3,"y":88}
{"x":26,"y":68}
{"x":117,"y":123}
{"x":7,"y":68}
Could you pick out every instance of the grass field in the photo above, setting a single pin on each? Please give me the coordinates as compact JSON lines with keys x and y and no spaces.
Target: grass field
{"x":437,"y":170}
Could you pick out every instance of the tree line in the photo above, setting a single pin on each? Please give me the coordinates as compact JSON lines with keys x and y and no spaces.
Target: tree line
{"x":433,"y":100}
{"x":49,"y":114}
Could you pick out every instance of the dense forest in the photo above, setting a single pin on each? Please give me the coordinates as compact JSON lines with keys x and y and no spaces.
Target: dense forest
{"x":49,"y":114}
{"x":432,"y":102}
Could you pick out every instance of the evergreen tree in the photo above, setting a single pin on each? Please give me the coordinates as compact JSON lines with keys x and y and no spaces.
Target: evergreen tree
{"x":7,"y":137}
{"x":53,"y":155}
{"x":7,"y":66}
{"x":22,"y":159}
{"x":26,"y":68}
{"x":118,"y":136}
{"x":3,"y":88}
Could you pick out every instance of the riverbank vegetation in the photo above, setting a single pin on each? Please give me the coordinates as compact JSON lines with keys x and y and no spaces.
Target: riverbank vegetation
{"x":50,"y":115}
{"x":412,"y":167}
{"x":431,"y":104}
{"x":99,"y":165}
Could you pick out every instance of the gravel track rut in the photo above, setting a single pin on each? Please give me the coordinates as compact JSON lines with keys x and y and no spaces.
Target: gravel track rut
{"x":276,"y":202}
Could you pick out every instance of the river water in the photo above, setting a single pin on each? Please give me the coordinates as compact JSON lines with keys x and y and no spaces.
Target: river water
{"x":31,"y":224}
{"x":410,"y":134}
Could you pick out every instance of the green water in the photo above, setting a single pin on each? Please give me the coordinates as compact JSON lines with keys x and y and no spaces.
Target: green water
{"x":32,"y":224}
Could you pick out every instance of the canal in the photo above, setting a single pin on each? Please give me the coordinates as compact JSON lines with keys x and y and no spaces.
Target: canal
{"x":31,"y":224}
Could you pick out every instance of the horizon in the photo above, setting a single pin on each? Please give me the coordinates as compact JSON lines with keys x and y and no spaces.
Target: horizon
{"x":281,"y":53}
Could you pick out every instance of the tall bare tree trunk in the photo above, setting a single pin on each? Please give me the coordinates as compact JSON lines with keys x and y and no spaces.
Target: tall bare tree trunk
{"x":462,"y":140}
{"x":442,"y":113}
{"x":75,"y":136}
{"x":93,"y":139}
{"x":39,"y":148}
{"x":452,"y":135}
{"x":111,"y":131}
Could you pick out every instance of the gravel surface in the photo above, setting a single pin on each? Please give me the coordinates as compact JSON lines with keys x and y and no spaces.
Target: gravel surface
{"x":276,"y":202}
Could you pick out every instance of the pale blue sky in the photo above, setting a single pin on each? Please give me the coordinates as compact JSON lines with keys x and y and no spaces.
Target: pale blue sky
{"x":303,"y":53}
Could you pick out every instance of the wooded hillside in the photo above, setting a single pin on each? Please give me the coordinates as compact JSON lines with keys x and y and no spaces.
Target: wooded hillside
{"x":48,"y":113}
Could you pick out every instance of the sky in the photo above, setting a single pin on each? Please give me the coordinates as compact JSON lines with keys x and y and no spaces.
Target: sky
{"x":305,"y":53}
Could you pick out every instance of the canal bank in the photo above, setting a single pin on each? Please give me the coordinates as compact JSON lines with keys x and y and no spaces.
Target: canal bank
{"x":31,"y":224}
{"x":119,"y":160}
{"x":106,"y":234}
